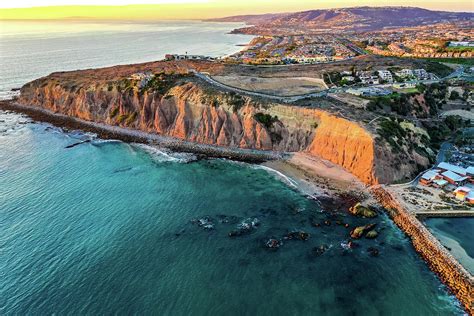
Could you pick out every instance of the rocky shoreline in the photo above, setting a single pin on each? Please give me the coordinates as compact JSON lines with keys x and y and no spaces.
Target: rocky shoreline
{"x":105,"y":131}
{"x":438,"y":258}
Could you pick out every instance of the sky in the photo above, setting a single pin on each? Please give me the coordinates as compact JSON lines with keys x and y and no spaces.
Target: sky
{"x":193,"y":9}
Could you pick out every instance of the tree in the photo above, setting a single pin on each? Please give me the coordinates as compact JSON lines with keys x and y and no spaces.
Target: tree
{"x":454,"y":95}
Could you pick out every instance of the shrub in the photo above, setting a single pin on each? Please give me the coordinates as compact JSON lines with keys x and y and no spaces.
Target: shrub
{"x":266,"y":119}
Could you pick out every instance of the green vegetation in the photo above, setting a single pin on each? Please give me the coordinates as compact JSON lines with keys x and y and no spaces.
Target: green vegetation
{"x":131,"y":118}
{"x":235,"y":100}
{"x":460,"y":61}
{"x":454,"y":95}
{"x":391,"y":131}
{"x":266,"y":119}
{"x":398,"y":103}
{"x":128,"y":118}
{"x":438,"y":69}
{"x":162,"y":82}
{"x":114,"y":112}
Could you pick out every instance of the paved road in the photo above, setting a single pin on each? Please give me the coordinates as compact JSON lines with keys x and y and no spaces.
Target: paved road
{"x":289,"y":99}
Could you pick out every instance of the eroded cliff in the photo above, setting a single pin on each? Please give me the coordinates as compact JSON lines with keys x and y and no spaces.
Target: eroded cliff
{"x":181,"y":106}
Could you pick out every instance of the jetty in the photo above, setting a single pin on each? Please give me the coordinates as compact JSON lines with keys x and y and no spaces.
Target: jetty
{"x":438,"y":258}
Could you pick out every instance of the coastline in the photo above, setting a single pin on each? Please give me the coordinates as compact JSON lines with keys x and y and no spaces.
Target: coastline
{"x":105,"y":131}
{"x":313,"y":177}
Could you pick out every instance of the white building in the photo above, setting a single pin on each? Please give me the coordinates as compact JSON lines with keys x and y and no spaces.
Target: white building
{"x":405,"y":73}
{"x":421,"y":74}
{"x":385,"y":75}
{"x":460,"y":44}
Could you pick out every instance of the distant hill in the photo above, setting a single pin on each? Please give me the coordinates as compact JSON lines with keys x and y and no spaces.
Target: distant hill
{"x":357,"y":18}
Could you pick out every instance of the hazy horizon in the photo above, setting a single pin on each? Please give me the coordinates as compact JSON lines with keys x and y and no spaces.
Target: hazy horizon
{"x":188,"y":9}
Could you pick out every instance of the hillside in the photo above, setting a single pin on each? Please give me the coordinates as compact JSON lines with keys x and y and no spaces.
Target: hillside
{"x":353,"y":19}
{"x":177,"y":104}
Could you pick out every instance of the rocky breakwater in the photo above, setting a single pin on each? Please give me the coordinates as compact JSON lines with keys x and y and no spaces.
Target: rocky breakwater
{"x":451,"y":273}
{"x":175,"y":103}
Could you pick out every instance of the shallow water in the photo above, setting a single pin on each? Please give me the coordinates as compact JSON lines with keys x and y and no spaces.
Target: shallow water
{"x":105,"y":228}
{"x":457,"y":235}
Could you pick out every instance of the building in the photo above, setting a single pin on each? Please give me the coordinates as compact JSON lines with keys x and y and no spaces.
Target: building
{"x":428,"y":177}
{"x":421,"y":74}
{"x":406,"y":73}
{"x":369,"y":92}
{"x":470,"y":197}
{"x":470,"y":171}
{"x":187,"y":57}
{"x":461,"y":193}
{"x":385,"y":75}
{"x":444,"y":166}
{"x":453,"y":178}
{"x":461,"y":44}
{"x":440,"y":183}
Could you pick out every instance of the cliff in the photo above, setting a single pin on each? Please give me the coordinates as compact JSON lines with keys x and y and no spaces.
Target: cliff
{"x":177,"y":104}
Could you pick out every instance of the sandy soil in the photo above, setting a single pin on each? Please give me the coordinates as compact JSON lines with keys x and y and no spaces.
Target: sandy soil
{"x":315,"y":176}
{"x":274,"y":86}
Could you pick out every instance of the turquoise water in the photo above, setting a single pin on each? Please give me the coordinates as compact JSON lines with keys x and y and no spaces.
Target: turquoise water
{"x":456,"y":234}
{"x":106,"y":228}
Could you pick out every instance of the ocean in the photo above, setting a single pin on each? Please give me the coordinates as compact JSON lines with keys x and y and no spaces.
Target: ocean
{"x":456,"y":234}
{"x":107,"y":227}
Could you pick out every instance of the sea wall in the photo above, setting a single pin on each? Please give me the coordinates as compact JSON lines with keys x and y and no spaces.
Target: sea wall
{"x":438,"y":258}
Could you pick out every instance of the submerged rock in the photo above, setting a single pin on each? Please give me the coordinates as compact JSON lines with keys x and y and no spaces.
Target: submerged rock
{"x":297,"y":235}
{"x":245,"y":227}
{"x":359,"y":210}
{"x":371,"y":234}
{"x":273,"y":243}
{"x":374,"y":252}
{"x":205,"y":222}
{"x":359,"y":231}
{"x":318,"y":251}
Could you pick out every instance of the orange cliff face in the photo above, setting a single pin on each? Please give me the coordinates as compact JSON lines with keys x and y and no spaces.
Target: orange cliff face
{"x":189,"y":111}
{"x":346,"y":144}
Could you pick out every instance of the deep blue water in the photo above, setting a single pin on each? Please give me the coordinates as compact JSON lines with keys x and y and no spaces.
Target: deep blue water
{"x":29,"y":50}
{"x":105,"y":228}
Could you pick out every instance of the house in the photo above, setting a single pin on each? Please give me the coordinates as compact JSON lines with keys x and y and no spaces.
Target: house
{"x":461,"y":193}
{"x":406,"y":73}
{"x":453,"y":178}
{"x":369,"y":92}
{"x":440,"y":183}
{"x":470,"y":171}
{"x":385,"y":75}
{"x":428,"y":177}
{"x":470,"y":197}
{"x":444,"y":166}
{"x":421,"y":74}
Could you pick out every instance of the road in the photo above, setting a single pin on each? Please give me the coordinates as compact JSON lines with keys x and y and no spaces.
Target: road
{"x":289,"y":99}
{"x":285,"y":99}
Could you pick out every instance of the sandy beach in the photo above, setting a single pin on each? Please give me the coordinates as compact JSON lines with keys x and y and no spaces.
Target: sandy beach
{"x":313,"y":176}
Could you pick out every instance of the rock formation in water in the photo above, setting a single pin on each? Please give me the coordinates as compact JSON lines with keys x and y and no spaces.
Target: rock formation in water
{"x":177,"y":104}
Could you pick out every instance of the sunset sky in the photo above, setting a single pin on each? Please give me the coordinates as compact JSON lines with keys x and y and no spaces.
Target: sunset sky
{"x":195,"y":9}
